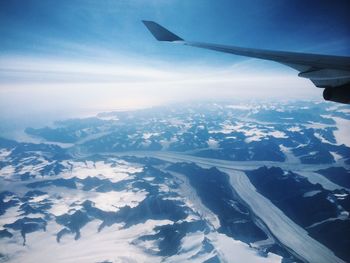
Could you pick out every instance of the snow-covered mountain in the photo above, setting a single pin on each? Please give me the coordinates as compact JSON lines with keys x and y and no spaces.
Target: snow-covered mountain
{"x":202,"y":183}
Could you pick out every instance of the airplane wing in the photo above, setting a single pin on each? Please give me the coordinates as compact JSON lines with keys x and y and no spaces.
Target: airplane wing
{"x":329,"y":72}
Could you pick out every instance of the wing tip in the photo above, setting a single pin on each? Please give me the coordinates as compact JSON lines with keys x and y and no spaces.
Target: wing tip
{"x":160,"y":33}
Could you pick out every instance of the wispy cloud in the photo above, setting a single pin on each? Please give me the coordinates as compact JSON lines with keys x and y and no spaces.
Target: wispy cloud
{"x":32,"y":84}
{"x":122,"y":69}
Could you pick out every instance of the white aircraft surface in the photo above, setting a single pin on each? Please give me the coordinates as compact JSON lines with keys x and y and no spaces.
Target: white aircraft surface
{"x":329,"y":72}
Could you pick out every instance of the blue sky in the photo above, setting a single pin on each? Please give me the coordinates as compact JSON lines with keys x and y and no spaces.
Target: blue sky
{"x":49,"y":27}
{"x":55,"y":51}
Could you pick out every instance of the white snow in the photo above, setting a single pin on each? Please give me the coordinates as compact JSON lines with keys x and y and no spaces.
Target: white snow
{"x":7,"y":172}
{"x":10,"y":216}
{"x":37,"y":199}
{"x":148,"y":135}
{"x":340,"y":196}
{"x":316,"y":178}
{"x":240,"y":107}
{"x":166,"y":143}
{"x":257,"y":135}
{"x":191,"y":244}
{"x":102,"y":170}
{"x":277,"y":134}
{"x":344,"y":215}
{"x":317,"y":125}
{"x":7,"y":198}
{"x":226,"y":128}
{"x":237,"y":251}
{"x":32,"y":169}
{"x":108,"y":118}
{"x":294,"y":129}
{"x":112,"y":201}
{"x":251,"y":131}
{"x":288,"y":233}
{"x":336,"y":156}
{"x":284,"y":229}
{"x":254,"y":138}
{"x":111,"y":244}
{"x":212,"y":143}
{"x":71,"y":199}
{"x":321,"y":138}
{"x":59,"y":208}
{"x":342,"y":133}
{"x":290,"y":157}
{"x":193,"y":201}
{"x":4,"y":153}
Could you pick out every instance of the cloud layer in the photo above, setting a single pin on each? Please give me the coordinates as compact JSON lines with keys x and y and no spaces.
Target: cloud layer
{"x":32,"y":84}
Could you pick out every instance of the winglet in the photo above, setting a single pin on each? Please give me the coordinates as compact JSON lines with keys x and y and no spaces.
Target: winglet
{"x":161,"y":33}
